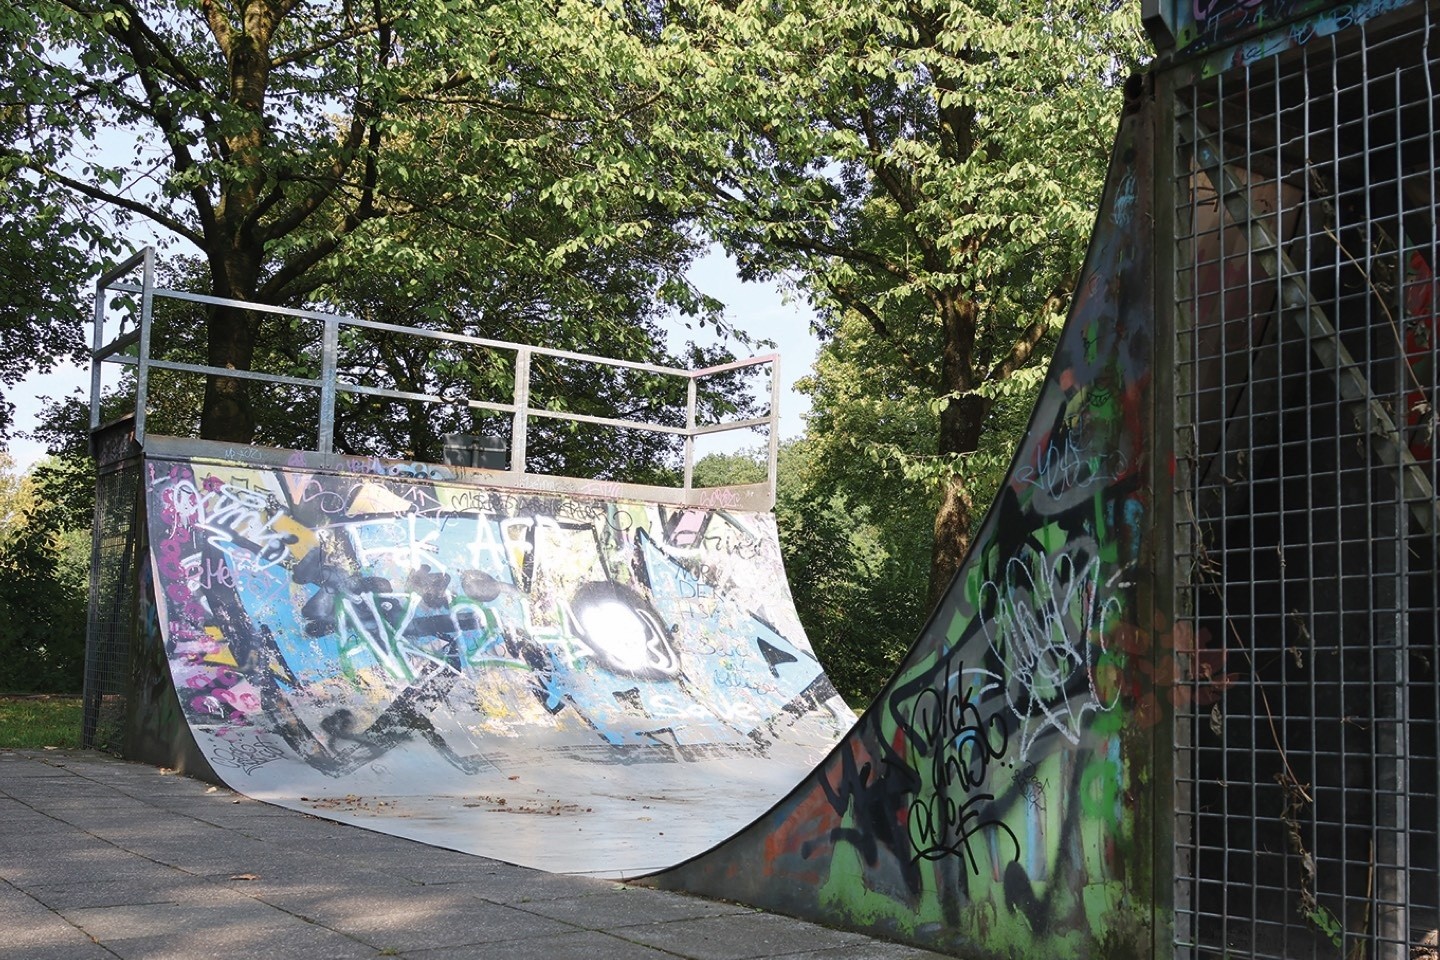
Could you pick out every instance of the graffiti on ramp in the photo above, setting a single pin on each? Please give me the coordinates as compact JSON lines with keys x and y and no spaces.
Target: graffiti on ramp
{"x":415,"y":651}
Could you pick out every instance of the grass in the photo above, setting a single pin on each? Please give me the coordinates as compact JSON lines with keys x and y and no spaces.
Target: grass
{"x":35,"y":722}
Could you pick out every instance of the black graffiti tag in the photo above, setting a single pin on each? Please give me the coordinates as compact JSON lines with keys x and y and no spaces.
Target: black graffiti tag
{"x":950,"y":734}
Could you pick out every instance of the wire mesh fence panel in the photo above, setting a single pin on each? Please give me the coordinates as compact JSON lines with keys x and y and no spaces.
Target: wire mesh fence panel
{"x":1306,"y":209}
{"x":111,"y":626}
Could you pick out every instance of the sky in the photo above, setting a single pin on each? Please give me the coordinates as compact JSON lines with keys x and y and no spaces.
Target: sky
{"x":759,"y":309}
{"x":763,"y":311}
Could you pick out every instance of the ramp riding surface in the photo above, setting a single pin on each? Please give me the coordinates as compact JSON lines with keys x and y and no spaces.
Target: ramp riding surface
{"x":580,"y":684}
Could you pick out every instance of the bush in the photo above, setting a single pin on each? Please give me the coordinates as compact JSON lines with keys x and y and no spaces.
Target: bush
{"x":44,"y":578}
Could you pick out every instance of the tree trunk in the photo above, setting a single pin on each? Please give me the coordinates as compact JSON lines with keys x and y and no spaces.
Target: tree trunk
{"x":227,"y":413}
{"x":236,"y":252}
{"x":961,"y":424}
{"x":960,"y":427}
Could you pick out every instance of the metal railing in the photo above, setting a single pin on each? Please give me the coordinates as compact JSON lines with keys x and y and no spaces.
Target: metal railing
{"x":133,"y":349}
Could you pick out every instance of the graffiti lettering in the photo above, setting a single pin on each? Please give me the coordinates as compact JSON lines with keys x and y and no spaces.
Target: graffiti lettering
{"x":248,"y":756}
{"x":202,"y":573}
{"x":1065,"y":472}
{"x":953,"y":741}
{"x":235,"y":519}
{"x":667,"y":707}
{"x":1050,"y":617}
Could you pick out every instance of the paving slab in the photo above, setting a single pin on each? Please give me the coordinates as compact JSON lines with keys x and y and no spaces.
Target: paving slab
{"x":81,"y":949}
{"x":165,"y":888}
{"x":579,"y":945}
{"x":428,"y":919}
{"x":300,"y":942}
{"x":128,"y":921}
{"x":739,"y":937}
{"x":630,"y":907}
{"x":105,"y":859}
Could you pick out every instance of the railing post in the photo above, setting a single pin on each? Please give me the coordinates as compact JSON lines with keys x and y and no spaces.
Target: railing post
{"x":522,"y":410}
{"x":142,"y":369}
{"x":329,"y":348}
{"x":774,"y":470}
{"x":97,"y":341}
{"x":689,"y":433}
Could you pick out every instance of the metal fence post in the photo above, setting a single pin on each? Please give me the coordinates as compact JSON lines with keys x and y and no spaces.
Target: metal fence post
{"x":142,"y":371}
{"x":329,"y":347}
{"x":522,"y":409}
{"x":96,"y":342}
{"x":690,"y":433}
{"x":774,"y":426}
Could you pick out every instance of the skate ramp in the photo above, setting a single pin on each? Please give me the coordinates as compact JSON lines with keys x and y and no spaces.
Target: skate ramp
{"x":999,"y":797}
{"x":577,"y":683}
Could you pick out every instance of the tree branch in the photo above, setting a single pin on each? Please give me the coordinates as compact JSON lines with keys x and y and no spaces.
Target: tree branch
{"x":294,"y":56}
{"x":882,"y":330}
{"x":177,"y":67}
{"x":851,"y":254}
{"x":282,"y":283}
{"x":885,"y":172}
{"x":362,"y":120}
{"x":131,"y":36}
{"x":324,"y":186}
{"x":1029,"y":338}
{"x":219,"y":26}
{"x":115,"y":199}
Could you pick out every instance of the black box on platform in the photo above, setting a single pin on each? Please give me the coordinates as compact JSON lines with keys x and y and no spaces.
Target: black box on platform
{"x":485,"y":450}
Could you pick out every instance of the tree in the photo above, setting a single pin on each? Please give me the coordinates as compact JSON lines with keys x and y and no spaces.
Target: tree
{"x":854,"y":568}
{"x":45,"y":243}
{"x":729,"y":469}
{"x":927,"y":169}
{"x":293,"y":143}
{"x":44,"y":577}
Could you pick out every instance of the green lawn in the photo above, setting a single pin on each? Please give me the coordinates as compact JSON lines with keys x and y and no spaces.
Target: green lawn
{"x":39,"y":721}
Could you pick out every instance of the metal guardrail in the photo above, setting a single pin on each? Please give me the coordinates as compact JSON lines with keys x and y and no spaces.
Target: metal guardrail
{"x":132,"y":349}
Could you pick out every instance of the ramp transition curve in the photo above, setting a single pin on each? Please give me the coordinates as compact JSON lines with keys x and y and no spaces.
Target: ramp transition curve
{"x":574,"y":683}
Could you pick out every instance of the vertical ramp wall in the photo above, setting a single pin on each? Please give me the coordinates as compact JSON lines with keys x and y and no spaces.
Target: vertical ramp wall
{"x":996,"y":799}
{"x":110,"y":620}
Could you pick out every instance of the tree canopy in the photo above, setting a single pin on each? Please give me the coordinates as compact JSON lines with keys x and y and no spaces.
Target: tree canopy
{"x":929,"y":170}
{"x":44,"y":576}
{"x":294,"y":143}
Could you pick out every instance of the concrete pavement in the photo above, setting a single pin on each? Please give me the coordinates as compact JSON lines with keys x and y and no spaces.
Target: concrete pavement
{"x":101,"y":858}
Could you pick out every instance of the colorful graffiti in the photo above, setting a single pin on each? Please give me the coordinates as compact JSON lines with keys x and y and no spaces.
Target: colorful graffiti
{"x":1204,"y":25}
{"x":994,"y":801}
{"x":289,"y":593}
{"x":327,"y":621}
